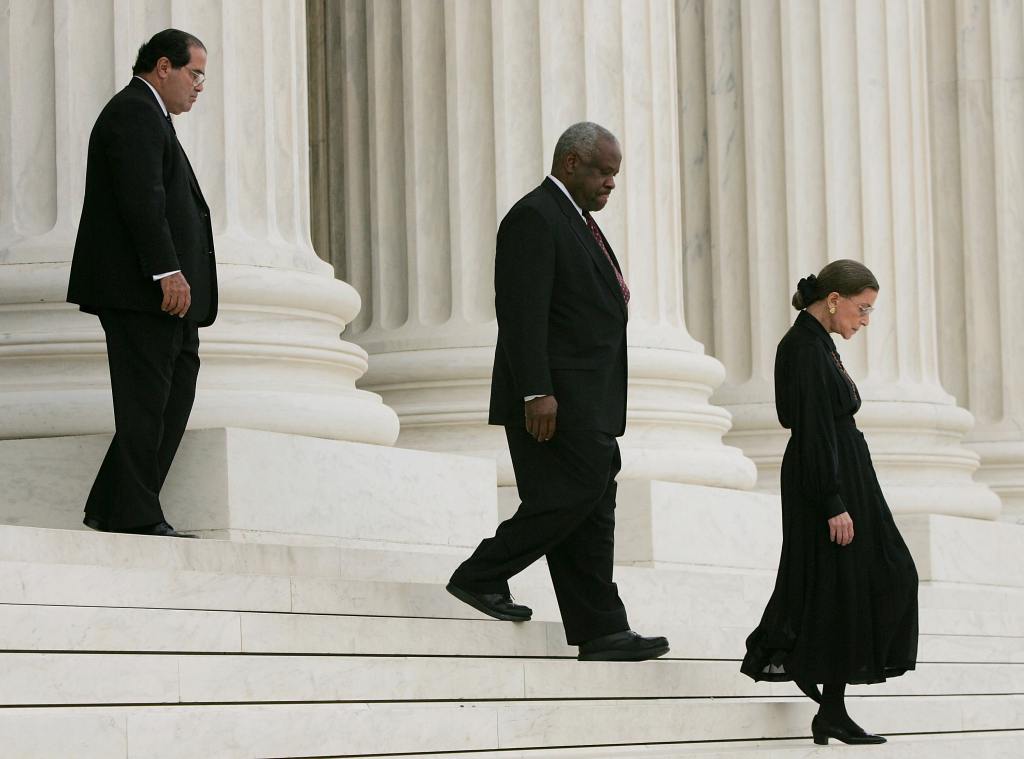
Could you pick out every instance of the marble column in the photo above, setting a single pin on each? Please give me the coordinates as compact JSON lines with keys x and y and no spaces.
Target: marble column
{"x":817,"y":149}
{"x":274,"y":359}
{"x":451,"y":113}
{"x":976,"y":69}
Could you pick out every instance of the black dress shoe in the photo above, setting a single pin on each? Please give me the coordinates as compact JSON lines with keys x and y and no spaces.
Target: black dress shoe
{"x":623,"y":646}
{"x":497,"y":605}
{"x":93,"y":524}
{"x":822,"y":730}
{"x":160,"y":529}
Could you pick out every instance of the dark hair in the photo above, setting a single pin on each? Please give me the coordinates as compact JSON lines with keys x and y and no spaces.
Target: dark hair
{"x":172,"y":44}
{"x":844,"y":276}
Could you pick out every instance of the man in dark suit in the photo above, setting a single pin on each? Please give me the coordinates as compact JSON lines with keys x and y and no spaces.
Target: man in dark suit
{"x":144,"y":264}
{"x":559,"y":389}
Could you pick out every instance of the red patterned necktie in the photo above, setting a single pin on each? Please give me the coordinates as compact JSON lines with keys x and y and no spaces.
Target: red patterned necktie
{"x":599,"y":238}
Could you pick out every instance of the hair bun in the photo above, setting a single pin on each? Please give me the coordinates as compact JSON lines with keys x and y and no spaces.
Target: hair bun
{"x":808,"y":289}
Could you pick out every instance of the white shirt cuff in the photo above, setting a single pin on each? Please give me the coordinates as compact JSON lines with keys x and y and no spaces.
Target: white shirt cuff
{"x":158,"y":277}
{"x":529,"y":398}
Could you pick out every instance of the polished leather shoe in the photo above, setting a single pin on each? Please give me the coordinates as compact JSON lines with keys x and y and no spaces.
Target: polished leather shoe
{"x":623,"y":646}
{"x":497,"y":605}
{"x":822,"y":730}
{"x":160,"y":529}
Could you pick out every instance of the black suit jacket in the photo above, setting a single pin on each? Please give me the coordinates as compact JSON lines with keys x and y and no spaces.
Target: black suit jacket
{"x":561,"y":318}
{"x":143,"y":214}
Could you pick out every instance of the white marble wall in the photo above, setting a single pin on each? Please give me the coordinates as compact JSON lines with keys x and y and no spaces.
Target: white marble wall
{"x":976,"y":72}
{"x":452,"y":113}
{"x":817,"y":149}
{"x":274,"y":359}
{"x":801,"y":133}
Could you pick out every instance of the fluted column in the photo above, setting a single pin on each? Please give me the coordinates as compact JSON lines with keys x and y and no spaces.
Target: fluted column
{"x":976,"y":66}
{"x":817,"y":119}
{"x":274,"y":359}
{"x":456,"y":109}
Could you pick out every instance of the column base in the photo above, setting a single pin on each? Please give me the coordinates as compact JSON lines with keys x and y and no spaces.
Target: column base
{"x":673,"y":432}
{"x":273,"y":360}
{"x":922,"y":464}
{"x":666,"y":525}
{"x":1002,"y":469}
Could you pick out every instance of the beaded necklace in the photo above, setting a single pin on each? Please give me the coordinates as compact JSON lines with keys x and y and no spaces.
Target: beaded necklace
{"x":847,"y":377}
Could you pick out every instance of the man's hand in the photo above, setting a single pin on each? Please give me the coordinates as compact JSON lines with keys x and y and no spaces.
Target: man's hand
{"x":840,"y":529}
{"x":540,"y":417}
{"x":177,"y":295}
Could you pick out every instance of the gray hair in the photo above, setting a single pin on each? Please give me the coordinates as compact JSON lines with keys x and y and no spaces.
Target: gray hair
{"x":581,"y":139}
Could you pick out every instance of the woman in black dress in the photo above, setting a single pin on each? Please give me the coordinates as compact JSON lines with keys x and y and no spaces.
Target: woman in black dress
{"x":844,"y":608}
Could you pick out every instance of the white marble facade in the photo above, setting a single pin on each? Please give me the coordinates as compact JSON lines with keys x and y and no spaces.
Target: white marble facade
{"x":761,"y":139}
{"x":976,"y":108}
{"x":449,"y":116}
{"x":816,"y":116}
{"x":273,"y":360}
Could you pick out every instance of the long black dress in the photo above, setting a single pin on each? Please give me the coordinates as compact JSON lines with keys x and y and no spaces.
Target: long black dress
{"x":838,"y":613}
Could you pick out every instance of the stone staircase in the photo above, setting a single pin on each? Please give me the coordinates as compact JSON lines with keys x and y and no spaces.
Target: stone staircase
{"x":125,"y":646}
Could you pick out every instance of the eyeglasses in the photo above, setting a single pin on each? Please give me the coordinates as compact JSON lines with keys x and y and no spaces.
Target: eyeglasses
{"x":863,"y":309}
{"x":198,"y":80}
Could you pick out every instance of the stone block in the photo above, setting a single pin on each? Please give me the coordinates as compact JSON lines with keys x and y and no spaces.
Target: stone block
{"x":48,"y":678}
{"x":668,"y":524}
{"x":71,"y":585}
{"x":961,"y":550}
{"x":90,"y":628}
{"x":63,"y":732}
{"x":85,"y":547}
{"x":250,"y":485}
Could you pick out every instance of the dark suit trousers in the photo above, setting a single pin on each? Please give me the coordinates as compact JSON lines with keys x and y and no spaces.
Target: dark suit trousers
{"x":567,"y":514}
{"x":154,"y":362}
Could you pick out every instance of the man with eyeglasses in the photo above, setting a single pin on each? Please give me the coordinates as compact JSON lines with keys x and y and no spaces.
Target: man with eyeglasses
{"x":144,"y":264}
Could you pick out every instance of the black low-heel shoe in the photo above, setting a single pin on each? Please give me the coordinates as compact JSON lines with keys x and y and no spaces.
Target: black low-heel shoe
{"x":822,"y":730}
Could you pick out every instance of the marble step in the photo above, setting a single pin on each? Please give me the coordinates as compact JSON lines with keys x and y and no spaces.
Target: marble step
{"x":101,"y":629}
{"x":80,"y":679}
{"x":724,"y":596}
{"x":982,"y":745}
{"x":969,"y":597}
{"x":677,"y":602}
{"x":51,"y":546}
{"x":645,"y":588}
{"x":347,"y":729}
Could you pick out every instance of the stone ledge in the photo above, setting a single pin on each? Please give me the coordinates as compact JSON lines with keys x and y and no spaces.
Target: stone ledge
{"x":670,"y":525}
{"x":38,"y":628}
{"x":327,"y":729}
{"x":271,"y":487}
{"x":80,"y":679}
{"x":1007,"y":744}
{"x":962,"y":550}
